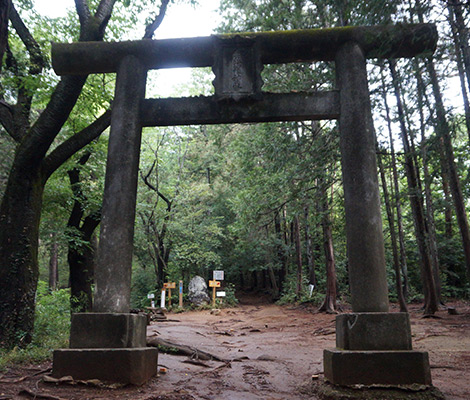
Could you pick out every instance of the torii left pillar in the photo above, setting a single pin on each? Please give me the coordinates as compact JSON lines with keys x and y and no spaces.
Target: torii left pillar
{"x":110,"y":343}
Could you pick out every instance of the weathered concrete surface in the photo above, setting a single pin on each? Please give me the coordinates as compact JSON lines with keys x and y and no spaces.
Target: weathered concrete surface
{"x":326,"y":391}
{"x":270,"y":108}
{"x":365,"y":246}
{"x":100,"y":330}
{"x":400,"y":367}
{"x":135,"y":366}
{"x":113,"y":271}
{"x":373,"y":331}
{"x":385,"y":41}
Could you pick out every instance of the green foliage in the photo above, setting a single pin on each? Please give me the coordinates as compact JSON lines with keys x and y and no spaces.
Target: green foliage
{"x":143,"y":283}
{"x":288,"y":295}
{"x":230,"y":300}
{"x":51,"y":328}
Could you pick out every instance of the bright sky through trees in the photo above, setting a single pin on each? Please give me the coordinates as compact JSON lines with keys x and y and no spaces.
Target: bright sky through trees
{"x":181,"y":20}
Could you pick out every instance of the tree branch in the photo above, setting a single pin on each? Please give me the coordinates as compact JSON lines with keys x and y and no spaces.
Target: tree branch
{"x":83,"y":12}
{"x":4,"y":12}
{"x":104,"y":10}
{"x":152,"y":187}
{"x":103,"y":14}
{"x":37,"y":59}
{"x":151,"y":28}
{"x":6,"y":119}
{"x":73,"y":144}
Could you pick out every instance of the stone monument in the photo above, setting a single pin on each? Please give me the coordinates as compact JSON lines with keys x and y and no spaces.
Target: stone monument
{"x":373,"y":345}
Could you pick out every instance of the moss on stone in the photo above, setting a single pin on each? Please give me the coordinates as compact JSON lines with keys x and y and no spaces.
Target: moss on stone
{"x":326,"y":391}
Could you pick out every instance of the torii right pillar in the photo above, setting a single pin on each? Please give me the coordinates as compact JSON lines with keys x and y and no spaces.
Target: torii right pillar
{"x":373,"y":346}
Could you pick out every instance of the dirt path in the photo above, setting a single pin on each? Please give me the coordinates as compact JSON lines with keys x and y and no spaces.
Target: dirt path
{"x":278,"y":349}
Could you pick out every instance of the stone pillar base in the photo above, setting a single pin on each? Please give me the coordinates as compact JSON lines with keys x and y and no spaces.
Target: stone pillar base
{"x":107,"y":331}
{"x":373,"y":331}
{"x":395,"y":367}
{"x":107,"y":346}
{"x":132,"y":365}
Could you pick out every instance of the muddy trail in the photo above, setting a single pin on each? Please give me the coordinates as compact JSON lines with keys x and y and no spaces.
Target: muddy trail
{"x":267,"y":352}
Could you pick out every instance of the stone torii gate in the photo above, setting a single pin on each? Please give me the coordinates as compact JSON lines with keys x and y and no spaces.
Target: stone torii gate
{"x":373,"y":345}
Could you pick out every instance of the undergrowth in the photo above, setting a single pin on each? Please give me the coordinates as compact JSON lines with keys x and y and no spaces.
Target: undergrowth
{"x":51,"y":329}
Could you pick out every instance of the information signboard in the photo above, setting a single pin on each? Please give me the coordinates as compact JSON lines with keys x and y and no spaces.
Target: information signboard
{"x":218,"y":275}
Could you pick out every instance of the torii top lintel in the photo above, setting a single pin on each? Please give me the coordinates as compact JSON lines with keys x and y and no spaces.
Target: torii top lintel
{"x":386,"y":41}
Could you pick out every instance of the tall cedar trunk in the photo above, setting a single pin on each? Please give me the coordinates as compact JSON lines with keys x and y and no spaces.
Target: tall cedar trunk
{"x":281,"y":254}
{"x":427,"y":190}
{"x":271,"y":274}
{"x":19,"y":228}
{"x":393,"y":237}
{"x":329,"y":304}
{"x":460,"y":66}
{"x":462,"y":31}
{"x":444,"y":174}
{"x":449,"y":232}
{"x":431,"y":299}
{"x":298,"y":256}
{"x":54,"y":264}
{"x":443,"y":130}
{"x":312,"y":279}
{"x":396,"y":187}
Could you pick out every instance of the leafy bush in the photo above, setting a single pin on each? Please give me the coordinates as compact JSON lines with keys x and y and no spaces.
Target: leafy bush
{"x":230,"y":300}
{"x":289,"y":296}
{"x":143,"y":283}
{"x":51,"y":328}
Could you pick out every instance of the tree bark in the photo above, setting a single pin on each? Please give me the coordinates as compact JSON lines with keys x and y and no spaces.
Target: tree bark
{"x":312,"y":279}
{"x":281,"y":254}
{"x":432,"y":237}
{"x":443,"y":130}
{"x":393,"y":238}
{"x":4,"y":12}
{"x":54,"y":264}
{"x":329,"y":304}
{"x":462,"y":32}
{"x":20,"y":208}
{"x":431,"y":300}
{"x":19,"y":229}
{"x":460,"y":65}
{"x":396,"y":187}
{"x":298,"y":256}
{"x":81,"y":247}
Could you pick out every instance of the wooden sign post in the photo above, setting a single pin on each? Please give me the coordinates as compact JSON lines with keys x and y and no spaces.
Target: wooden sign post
{"x":181,"y":294}
{"x":169,"y":286}
{"x":214,"y":284}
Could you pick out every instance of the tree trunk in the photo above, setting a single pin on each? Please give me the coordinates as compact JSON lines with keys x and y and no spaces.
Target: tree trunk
{"x":4,"y":11}
{"x":462,"y":30}
{"x":312,"y":279}
{"x":54,"y":264}
{"x":460,"y":66}
{"x":19,"y":229}
{"x":329,"y":304}
{"x":432,"y":239}
{"x":298,"y":258}
{"x":396,"y":187}
{"x":81,"y":250}
{"x":81,"y":260}
{"x":431,"y":300}
{"x":443,"y":130}
{"x":393,"y":238}
{"x":281,"y":254}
